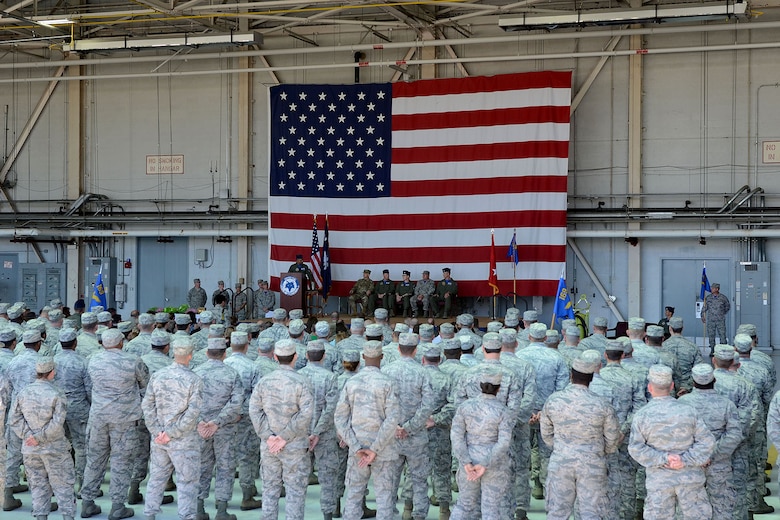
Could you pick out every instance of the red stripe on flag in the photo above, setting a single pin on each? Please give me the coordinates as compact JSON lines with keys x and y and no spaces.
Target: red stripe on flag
{"x":489,"y":186}
{"x":423,"y":255}
{"x":531,"y":218}
{"x":478,"y":118}
{"x":480,"y":152}
{"x":471,"y":85}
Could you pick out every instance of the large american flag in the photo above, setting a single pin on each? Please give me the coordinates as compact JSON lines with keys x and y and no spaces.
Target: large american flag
{"x":415,"y":175}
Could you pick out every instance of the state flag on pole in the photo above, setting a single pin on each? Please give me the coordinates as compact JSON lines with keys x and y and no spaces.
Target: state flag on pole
{"x":493,"y":276}
{"x":412,"y":173}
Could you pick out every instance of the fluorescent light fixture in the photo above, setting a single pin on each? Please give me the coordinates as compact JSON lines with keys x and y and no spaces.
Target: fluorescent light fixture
{"x":654,"y":14}
{"x":51,"y":22}
{"x":178,"y":40}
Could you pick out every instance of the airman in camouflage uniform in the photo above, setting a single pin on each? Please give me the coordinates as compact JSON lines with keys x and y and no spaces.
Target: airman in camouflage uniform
{"x":552,"y":374}
{"x":38,"y":417}
{"x":686,"y":353}
{"x":672,"y":442}
{"x":20,"y":372}
{"x":367,"y":416}
{"x":87,"y":339}
{"x":390,"y":351}
{"x":571,"y":349}
{"x":71,"y":376}
{"x":247,"y":444}
{"x":654,"y":339}
{"x":53,"y":326}
{"x":404,"y":292}
{"x":720,"y":416}
{"x":417,"y":400}
{"x":630,"y":392}
{"x":223,"y":395}
{"x":278,"y":330}
{"x":643,"y":354}
{"x":142,"y":343}
{"x":350,"y":362}
{"x":5,"y":398}
{"x":357,"y":328}
{"x":200,"y":339}
{"x":363,"y":292}
{"x":451,"y":366}
{"x":281,"y":409}
{"x":755,"y":373}
{"x":265,"y":300}
{"x":744,"y":395}
{"x":520,"y":449}
{"x":118,"y":379}
{"x":467,"y":357}
{"x":713,"y":314}
{"x":265,"y":362}
{"x":465,"y":324}
{"x":172,"y":408}
{"x":438,"y":425}
{"x":423,"y":290}
{"x":481,"y":435}
{"x":322,"y":433}
{"x":580,"y":428}
{"x":597,"y":340}
{"x":196,"y":296}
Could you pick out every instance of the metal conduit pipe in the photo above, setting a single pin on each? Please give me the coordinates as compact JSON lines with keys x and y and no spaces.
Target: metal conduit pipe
{"x":673,"y":233}
{"x":440,"y":61}
{"x":747,"y":197}
{"x":728,"y":203}
{"x":112,"y":233}
{"x":351,"y":49}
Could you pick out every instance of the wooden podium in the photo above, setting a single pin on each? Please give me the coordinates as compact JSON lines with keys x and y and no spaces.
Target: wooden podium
{"x":292,"y":289}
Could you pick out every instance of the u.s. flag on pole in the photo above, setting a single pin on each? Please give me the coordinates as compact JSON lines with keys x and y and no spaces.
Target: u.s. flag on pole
{"x":413,"y":175}
{"x":316,"y":258}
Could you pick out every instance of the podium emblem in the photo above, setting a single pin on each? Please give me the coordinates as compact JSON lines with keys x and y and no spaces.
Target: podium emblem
{"x":290,"y":286}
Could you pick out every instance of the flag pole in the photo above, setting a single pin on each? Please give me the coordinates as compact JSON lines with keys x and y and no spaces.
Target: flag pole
{"x":514,"y":275}
{"x":493,"y":250}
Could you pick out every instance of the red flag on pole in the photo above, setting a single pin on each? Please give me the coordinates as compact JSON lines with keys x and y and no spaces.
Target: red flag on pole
{"x":493,"y":277}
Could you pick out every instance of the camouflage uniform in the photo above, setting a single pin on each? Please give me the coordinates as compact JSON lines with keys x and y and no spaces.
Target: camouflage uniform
{"x":552,"y":374}
{"x":264,"y":300}
{"x":439,"y":443}
{"x":200,"y":340}
{"x":20,"y":372}
{"x":759,"y":377}
{"x":263,"y":367}
{"x":343,"y":451}
{"x":118,"y":379}
{"x":366,"y":417}
{"x":277,"y":331}
{"x":424,"y":288}
{"x":223,"y":396}
{"x":595,"y":341}
{"x":39,"y":412}
{"x":358,"y":294}
{"x":720,"y":416}
{"x":580,"y":428}
{"x":282,"y":404}
{"x":570,"y":352}
{"x":196,"y":298}
{"x":139,"y":345}
{"x":87,"y":344}
{"x":744,"y":395}
{"x":417,"y":400}
{"x":324,"y":385}
{"x":687,"y":354}
{"x":5,"y":398}
{"x":172,"y":404}
{"x":241,"y":305}
{"x":644,"y":354}
{"x":631,"y":398}
{"x":405,"y":290}
{"x":71,"y":376}
{"x":715,"y":309}
{"x":773,"y":420}
{"x":481,"y":434}
{"x":666,"y":426}
{"x":520,"y":449}
{"x":247,"y":444}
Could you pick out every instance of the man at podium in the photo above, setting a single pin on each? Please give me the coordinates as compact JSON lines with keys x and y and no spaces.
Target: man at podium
{"x":300,"y":267}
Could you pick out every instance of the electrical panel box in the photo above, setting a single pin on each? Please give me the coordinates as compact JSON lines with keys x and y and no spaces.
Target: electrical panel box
{"x":201,"y":255}
{"x":94,"y":266}
{"x":120,"y":293}
{"x":41,"y":283}
{"x":752,"y":298}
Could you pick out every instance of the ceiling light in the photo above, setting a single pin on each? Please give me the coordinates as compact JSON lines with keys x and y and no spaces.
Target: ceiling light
{"x":177,"y":40}
{"x":51,"y":22}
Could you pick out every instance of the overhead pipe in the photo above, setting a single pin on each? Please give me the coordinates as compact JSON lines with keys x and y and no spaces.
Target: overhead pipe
{"x":435,"y":61}
{"x":488,"y":40}
{"x":728,"y":203}
{"x":746,"y":198}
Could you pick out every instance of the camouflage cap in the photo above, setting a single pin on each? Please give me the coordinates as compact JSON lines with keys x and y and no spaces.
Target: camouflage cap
{"x":243,"y":327}
{"x":351,"y":355}
{"x":31,"y":336}
{"x":572,"y":331}
{"x":265,"y":344}
{"x":296,"y":314}
{"x":112,"y":338}
{"x":357,"y":324}
{"x":37,"y":324}
{"x":451,"y":344}
{"x":703,"y":373}
{"x":239,"y":337}
{"x":446,"y":328}
{"x":380,"y":313}
{"x":182,"y":319}
{"x":747,"y":328}
{"x":537,"y":331}
{"x":465,"y":319}
{"x":67,"y":334}
{"x":315,"y":346}
{"x":614,"y":345}
{"x":530,"y":315}
{"x":491,"y":376}
{"x":44,"y":365}
{"x":296,"y":327}
{"x":145,"y":319}
{"x":432,"y":351}
{"x":160,"y":338}
{"x":636,"y":324}
{"x":507,"y":336}
{"x":600,"y":321}
{"x":55,"y":315}
{"x":401,"y":328}
{"x":216,"y":344}
{"x":743,"y":343}
{"x":660,"y":375}
{"x":322,"y":329}
{"x":182,"y":345}
{"x":206,"y":317}
{"x":675,"y":322}
{"x":104,"y":317}
{"x":724,"y":352}
{"x":374,"y":330}
{"x":427,"y":331}
{"x":552,"y":336}
{"x":491,"y":341}
{"x":372,"y":349}
{"x":216,"y":330}
{"x":654,"y":331}
{"x":160,"y":317}
{"x":124,"y":326}
{"x":280,"y":314}
{"x":409,"y":339}
{"x":15,"y":311}
{"x":511,"y":321}
{"x":285,"y":347}
{"x":494,"y":326}
{"x":466,"y":342}
{"x":587,"y":362}
{"x":7,"y":334}
{"x":4,"y":307}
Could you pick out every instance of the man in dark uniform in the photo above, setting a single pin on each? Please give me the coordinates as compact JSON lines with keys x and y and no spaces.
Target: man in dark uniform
{"x":404,"y":292}
{"x":668,"y":313}
{"x":300,"y":267}
{"x":384,"y":291}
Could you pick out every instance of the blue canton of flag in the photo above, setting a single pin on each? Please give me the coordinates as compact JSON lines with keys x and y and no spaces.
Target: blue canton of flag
{"x":99,"y":295}
{"x":331,"y":141}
